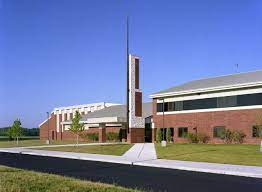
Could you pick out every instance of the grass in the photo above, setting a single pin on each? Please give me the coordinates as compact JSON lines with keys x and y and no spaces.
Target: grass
{"x":33,"y":142}
{"x":239,"y":154}
{"x":13,"y":180}
{"x":115,"y":149}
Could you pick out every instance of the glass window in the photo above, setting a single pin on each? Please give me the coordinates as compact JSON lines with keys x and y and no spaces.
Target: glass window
{"x":182,"y":131}
{"x":218,"y":131}
{"x":178,"y":105}
{"x":257,"y":131}
{"x":159,"y":107}
{"x":230,"y":101}
{"x":200,"y":104}
{"x":171,"y":106}
{"x":250,"y":99}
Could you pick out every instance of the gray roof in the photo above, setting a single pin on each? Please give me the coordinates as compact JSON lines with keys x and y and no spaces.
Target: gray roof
{"x":226,"y":80}
{"x":117,"y":111}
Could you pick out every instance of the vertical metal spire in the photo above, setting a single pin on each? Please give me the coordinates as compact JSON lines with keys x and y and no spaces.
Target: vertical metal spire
{"x":127,"y":76}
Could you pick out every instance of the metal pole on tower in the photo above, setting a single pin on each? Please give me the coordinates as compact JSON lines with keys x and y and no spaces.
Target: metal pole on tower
{"x":127,"y":76}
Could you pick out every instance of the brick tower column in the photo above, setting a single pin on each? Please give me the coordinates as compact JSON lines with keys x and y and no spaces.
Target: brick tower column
{"x":102,"y":133}
{"x":136,"y":122}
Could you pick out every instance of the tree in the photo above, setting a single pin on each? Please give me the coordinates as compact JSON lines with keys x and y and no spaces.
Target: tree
{"x":258,"y":126}
{"x":168,"y":135}
{"x":76,"y":127}
{"x":9,"y":133}
{"x":158,"y":135}
{"x":16,"y":130}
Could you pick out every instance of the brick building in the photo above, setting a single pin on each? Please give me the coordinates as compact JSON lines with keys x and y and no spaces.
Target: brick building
{"x":210,"y":106}
{"x":106,"y":117}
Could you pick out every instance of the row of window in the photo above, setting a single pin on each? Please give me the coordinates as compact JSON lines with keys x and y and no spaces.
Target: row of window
{"x":218,"y":131}
{"x":209,"y":103}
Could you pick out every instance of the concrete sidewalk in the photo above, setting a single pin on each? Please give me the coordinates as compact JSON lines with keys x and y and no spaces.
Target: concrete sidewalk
{"x":141,"y":152}
{"x":145,"y":155}
{"x":68,"y":145}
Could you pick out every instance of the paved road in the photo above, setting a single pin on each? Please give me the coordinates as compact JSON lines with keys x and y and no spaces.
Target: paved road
{"x":147,"y":178}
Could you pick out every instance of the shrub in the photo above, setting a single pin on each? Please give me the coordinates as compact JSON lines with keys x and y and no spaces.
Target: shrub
{"x":158,"y":135}
{"x":198,"y":138}
{"x":238,"y":137}
{"x":203,"y":138}
{"x":168,"y":135}
{"x":233,"y":136}
{"x":112,"y":136}
{"x":192,"y":138}
{"x":91,"y":136}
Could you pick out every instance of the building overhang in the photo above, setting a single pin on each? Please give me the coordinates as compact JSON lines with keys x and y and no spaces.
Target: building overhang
{"x":104,"y":120}
{"x":204,"y":90}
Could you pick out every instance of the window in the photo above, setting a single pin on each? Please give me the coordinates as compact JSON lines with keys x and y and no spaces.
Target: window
{"x":257,"y":131}
{"x":250,"y":99}
{"x":159,"y":107}
{"x":218,"y":131}
{"x":200,"y":104}
{"x":182,"y":131}
{"x":171,"y":106}
{"x":230,"y":101}
{"x":178,"y":105}
{"x":212,"y":103}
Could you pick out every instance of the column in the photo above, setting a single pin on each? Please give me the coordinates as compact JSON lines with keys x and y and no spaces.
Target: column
{"x":102,"y":133}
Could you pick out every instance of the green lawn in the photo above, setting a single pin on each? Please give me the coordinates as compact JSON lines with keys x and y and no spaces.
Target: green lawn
{"x":13,"y":180}
{"x":35,"y":142}
{"x":240,"y":154}
{"x":115,"y":149}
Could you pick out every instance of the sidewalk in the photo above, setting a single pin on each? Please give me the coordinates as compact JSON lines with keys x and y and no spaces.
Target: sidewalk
{"x":144,"y":154}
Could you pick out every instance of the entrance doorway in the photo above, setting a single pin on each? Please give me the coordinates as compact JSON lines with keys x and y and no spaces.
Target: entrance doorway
{"x":148,"y":133}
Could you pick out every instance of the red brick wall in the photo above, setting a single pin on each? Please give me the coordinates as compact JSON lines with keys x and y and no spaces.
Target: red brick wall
{"x":136,"y":135}
{"x":44,"y":128}
{"x":242,"y":120}
{"x":69,"y":136}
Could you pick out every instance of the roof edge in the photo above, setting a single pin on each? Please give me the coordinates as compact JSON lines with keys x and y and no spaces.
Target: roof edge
{"x":218,"y":88}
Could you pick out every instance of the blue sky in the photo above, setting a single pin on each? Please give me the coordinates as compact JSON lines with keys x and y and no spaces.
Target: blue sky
{"x":66,"y":52}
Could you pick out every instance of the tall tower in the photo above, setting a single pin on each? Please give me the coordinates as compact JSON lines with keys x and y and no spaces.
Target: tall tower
{"x":136,"y":123}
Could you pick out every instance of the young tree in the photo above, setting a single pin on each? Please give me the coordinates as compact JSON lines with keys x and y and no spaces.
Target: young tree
{"x":168,"y":135}
{"x":158,"y":135}
{"x":16,"y":130}
{"x":76,"y":127}
{"x":10,"y":133}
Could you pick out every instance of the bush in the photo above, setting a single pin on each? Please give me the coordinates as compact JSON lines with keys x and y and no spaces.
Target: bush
{"x":198,"y":138}
{"x":158,"y":135}
{"x":238,"y":137}
{"x":91,"y":136}
{"x":168,"y":135}
{"x":233,"y":136}
{"x":112,"y":136}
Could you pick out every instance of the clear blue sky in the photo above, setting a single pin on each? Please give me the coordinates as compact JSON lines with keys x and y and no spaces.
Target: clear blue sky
{"x":66,"y":52}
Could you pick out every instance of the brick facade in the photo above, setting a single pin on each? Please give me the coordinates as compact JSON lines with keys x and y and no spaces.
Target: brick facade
{"x":136,"y":135}
{"x":242,"y":120}
{"x":66,"y":135}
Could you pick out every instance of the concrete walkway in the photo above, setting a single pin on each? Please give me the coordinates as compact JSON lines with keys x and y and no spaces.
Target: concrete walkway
{"x":144,"y":154}
{"x":141,"y":152}
{"x":68,"y":145}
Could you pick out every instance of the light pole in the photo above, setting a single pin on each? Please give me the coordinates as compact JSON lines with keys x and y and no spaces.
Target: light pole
{"x":163,"y":142}
{"x":48,"y":140}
